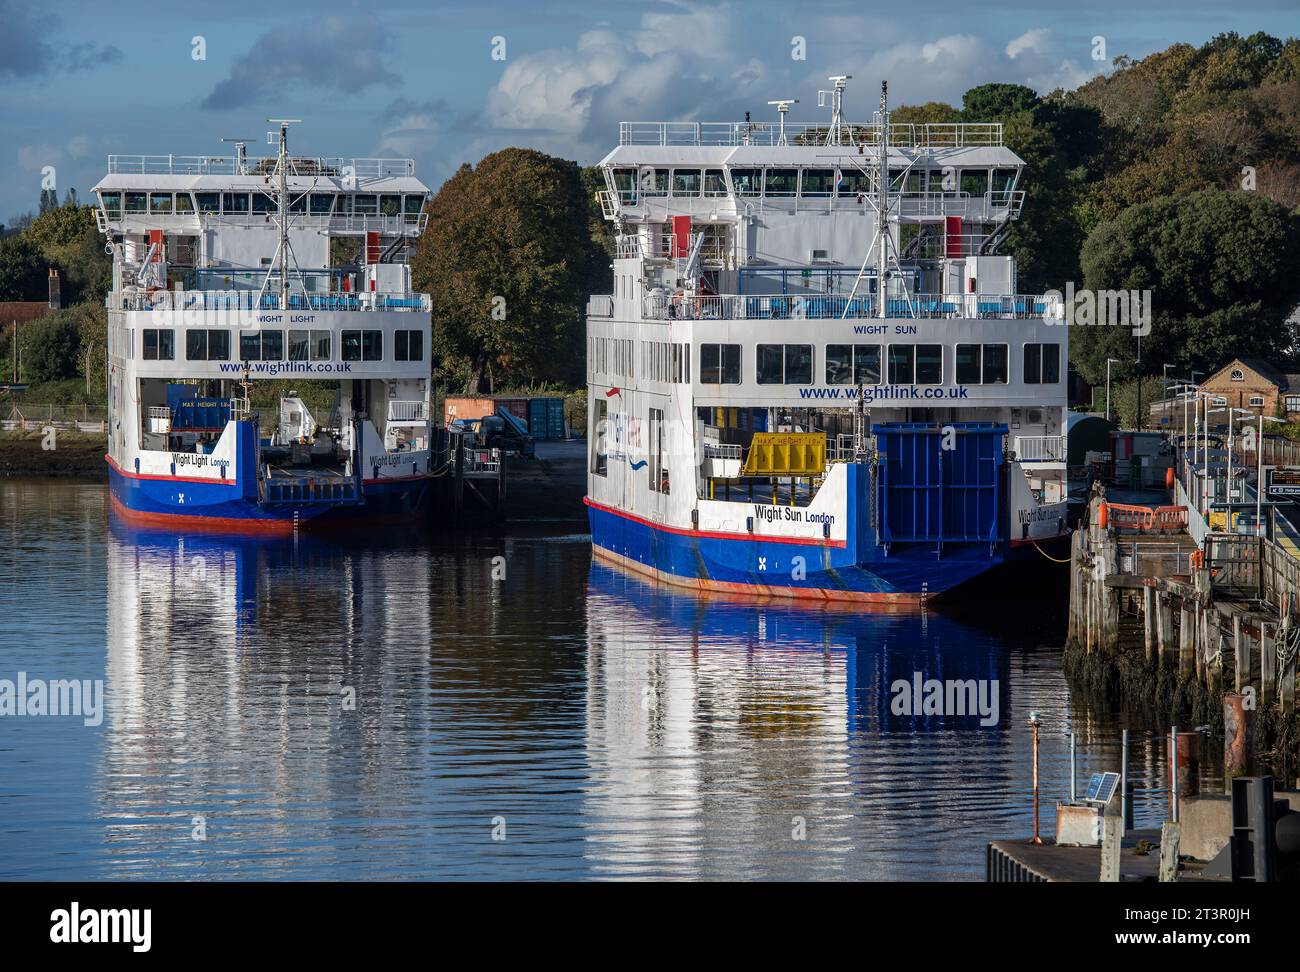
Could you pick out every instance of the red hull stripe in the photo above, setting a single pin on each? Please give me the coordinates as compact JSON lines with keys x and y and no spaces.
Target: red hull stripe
{"x":211,"y":524}
{"x":713,"y":535}
{"x":891,"y":602}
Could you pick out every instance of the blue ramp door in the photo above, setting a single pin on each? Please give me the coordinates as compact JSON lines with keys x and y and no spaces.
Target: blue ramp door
{"x":931,"y":494}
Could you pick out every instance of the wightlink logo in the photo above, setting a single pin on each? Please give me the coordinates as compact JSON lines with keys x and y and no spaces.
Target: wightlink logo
{"x":25,"y":696}
{"x":1106,"y":308}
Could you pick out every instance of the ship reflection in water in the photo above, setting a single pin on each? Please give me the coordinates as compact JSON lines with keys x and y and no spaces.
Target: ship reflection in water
{"x":384,"y":707}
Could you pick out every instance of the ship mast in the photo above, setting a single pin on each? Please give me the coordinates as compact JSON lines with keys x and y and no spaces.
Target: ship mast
{"x":283,"y":252}
{"x":882,"y":206}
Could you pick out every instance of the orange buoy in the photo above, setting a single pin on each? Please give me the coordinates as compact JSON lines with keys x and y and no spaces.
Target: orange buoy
{"x":1103,"y":516}
{"x":1169,"y":478}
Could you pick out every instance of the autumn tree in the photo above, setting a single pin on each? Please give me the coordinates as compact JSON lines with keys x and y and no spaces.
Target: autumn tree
{"x":507,"y":259}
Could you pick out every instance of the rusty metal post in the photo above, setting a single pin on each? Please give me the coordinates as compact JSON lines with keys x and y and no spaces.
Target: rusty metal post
{"x":1237,"y":720}
{"x":1173,"y":773}
{"x":1034,"y":724}
{"x":1149,"y":622}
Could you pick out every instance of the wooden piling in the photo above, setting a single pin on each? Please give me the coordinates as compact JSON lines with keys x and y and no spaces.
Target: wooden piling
{"x":1186,"y":638}
{"x":1149,"y":623}
{"x":1267,"y":649}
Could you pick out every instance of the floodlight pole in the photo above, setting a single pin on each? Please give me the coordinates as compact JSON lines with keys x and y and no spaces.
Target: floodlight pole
{"x":1034,"y":724}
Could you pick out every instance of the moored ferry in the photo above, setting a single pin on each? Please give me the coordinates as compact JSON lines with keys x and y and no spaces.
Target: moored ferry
{"x":815,"y":376}
{"x":231,"y":270}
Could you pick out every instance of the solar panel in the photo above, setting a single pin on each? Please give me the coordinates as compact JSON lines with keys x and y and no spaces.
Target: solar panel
{"x":1101,"y":787}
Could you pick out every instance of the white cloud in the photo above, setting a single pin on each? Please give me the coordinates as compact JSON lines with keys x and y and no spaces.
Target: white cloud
{"x":1031,"y":40}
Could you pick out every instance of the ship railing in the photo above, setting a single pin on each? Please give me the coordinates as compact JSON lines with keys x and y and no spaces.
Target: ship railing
{"x":358,"y":223}
{"x":343,"y":168}
{"x":682,"y":306}
{"x":722,"y":450}
{"x":408,"y":411}
{"x":248,"y":300}
{"x":664,"y":246}
{"x":1039,"y":448}
{"x":600,"y":305}
{"x":932,"y":135}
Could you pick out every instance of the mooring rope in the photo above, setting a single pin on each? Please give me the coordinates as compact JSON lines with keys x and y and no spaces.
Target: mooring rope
{"x":1054,"y":560}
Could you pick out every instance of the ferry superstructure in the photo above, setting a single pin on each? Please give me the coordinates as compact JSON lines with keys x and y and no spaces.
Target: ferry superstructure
{"x":230,"y":270}
{"x":764,"y":415}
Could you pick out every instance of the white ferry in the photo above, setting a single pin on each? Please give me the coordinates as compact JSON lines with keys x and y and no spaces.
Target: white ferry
{"x":815,"y":376}
{"x":232,"y":269}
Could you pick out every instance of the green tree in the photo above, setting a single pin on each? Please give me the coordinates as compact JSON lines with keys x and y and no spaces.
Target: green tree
{"x":930,"y":113}
{"x":69,"y":240}
{"x":506,"y":259}
{"x":22,"y":269}
{"x":1221,"y":269}
{"x":993,"y":102}
{"x":51,"y":347}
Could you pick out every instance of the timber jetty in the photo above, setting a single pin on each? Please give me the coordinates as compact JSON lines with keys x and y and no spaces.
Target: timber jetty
{"x":1192,"y":625}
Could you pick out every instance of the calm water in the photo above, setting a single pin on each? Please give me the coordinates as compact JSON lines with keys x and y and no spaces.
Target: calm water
{"x":604,"y":728}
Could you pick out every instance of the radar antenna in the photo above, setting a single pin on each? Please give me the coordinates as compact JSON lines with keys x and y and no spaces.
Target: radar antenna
{"x":834,"y":98}
{"x":783,"y":109}
{"x":241,"y":154}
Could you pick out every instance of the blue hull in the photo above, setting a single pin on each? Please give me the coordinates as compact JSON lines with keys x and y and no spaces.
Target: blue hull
{"x":858,"y":569}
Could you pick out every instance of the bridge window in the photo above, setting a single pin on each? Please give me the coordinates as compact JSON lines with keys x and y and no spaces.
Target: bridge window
{"x":720,"y":364}
{"x":853,"y":182}
{"x":408,"y":345}
{"x":298,"y":203}
{"x":914,"y":184}
{"x":1042,"y":364}
{"x":414,"y":207}
{"x":747,"y":182}
{"x":929,"y":364}
{"x":202,"y":344}
{"x":715,"y":184}
{"x":184,"y":204}
{"x":363,"y":345}
{"x":321,"y":203}
{"x":365,"y":205}
{"x":780,"y":183}
{"x":208,"y":202}
{"x":624,"y":180}
{"x":112,"y":203}
{"x":902,"y":364}
{"x":654,"y":182}
{"x":818,"y":182}
{"x":160,"y":202}
{"x":234,"y":202}
{"x":390,"y":205}
{"x":975,"y":182}
{"x":159,"y":344}
{"x":858,"y":364}
{"x":686,"y":182}
{"x":1003,"y":181}
{"x":262,"y":203}
{"x":136,"y":202}
{"x":981,"y":364}
{"x":784,"y":364}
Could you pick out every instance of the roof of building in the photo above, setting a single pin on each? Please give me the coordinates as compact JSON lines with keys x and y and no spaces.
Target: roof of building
{"x":1262,"y":368}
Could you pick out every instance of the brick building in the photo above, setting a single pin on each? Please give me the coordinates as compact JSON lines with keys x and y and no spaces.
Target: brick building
{"x":1257,"y":386}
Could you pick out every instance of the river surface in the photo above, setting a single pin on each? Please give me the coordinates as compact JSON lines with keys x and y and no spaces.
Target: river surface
{"x":495,"y":705}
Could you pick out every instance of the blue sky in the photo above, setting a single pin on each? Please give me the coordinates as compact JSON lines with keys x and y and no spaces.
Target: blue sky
{"x":80,"y":81}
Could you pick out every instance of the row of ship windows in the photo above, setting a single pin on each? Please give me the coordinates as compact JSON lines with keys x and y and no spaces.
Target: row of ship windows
{"x":233,"y":203}
{"x":213,"y":344}
{"x":845,"y":364}
{"x":815,"y":183}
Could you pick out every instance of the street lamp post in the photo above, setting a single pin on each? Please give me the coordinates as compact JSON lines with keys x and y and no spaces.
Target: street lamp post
{"x":1109,"y":361}
{"x":1259,"y":471}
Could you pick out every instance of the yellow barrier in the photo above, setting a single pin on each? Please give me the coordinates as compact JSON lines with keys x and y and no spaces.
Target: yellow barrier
{"x":786,"y":454}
